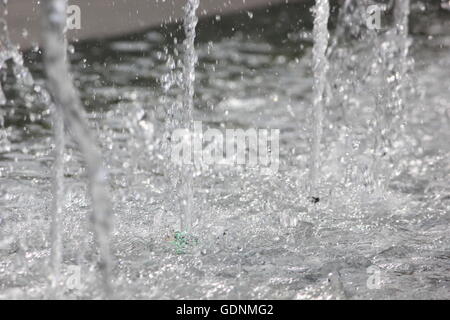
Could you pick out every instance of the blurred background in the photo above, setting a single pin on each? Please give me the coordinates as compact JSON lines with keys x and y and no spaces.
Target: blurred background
{"x":105,"y":18}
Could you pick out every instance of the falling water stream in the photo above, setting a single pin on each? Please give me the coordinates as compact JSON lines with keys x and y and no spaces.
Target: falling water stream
{"x":180,"y":116}
{"x":58,"y":195}
{"x":392,"y":97}
{"x":401,"y":14}
{"x":66,"y":99}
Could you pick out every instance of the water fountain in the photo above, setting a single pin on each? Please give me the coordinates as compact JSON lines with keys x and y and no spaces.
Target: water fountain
{"x":320,"y":68}
{"x":180,"y":115}
{"x":369,"y":156}
{"x":385,"y":208}
{"x":67,"y":101}
{"x":189,"y":62}
{"x":58,"y":195}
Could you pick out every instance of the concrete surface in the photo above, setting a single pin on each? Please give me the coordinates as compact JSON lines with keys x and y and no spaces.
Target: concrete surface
{"x":101,"y":18}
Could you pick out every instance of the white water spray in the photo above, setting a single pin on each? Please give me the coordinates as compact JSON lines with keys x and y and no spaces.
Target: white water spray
{"x":320,"y":67}
{"x":401,"y":16}
{"x":66,"y":98}
{"x":391,"y":97}
{"x":58,"y":194}
{"x":189,"y":62}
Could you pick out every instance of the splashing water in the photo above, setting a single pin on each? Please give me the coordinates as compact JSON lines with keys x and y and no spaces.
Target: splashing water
{"x":8,"y":51}
{"x":58,"y":189}
{"x":27,"y":87}
{"x":181,"y":116}
{"x":189,"y":62}
{"x":375,"y":86}
{"x":58,"y":194}
{"x":390,"y":100}
{"x":320,"y":68}
{"x":401,"y":14}
{"x":190,"y":59}
{"x":66,"y":98}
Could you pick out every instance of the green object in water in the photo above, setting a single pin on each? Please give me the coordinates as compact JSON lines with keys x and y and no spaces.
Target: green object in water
{"x":182,"y":241}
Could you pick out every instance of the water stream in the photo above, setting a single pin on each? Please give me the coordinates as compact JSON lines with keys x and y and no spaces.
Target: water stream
{"x":189,"y":62}
{"x":68,"y":102}
{"x":320,"y":68}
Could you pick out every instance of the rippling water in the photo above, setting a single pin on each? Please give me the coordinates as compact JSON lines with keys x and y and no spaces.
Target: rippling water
{"x":258,"y":236}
